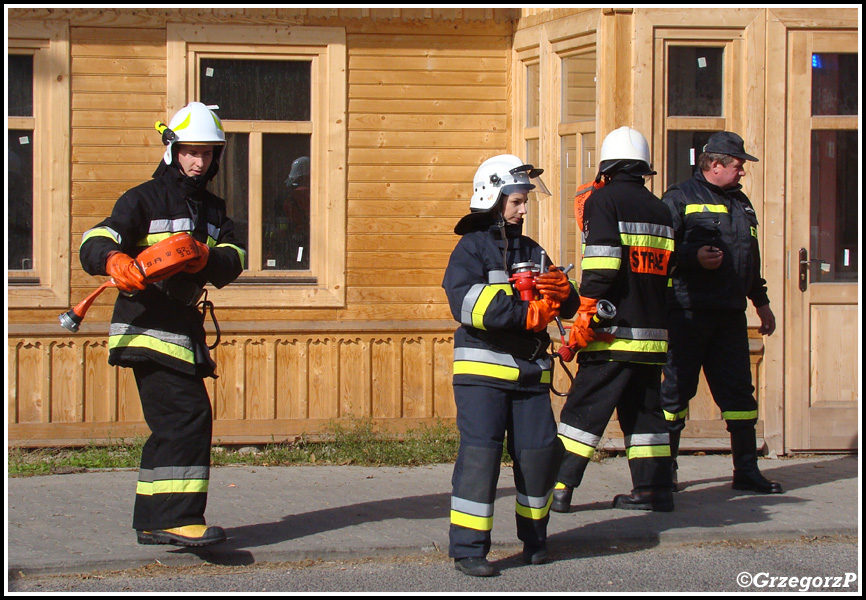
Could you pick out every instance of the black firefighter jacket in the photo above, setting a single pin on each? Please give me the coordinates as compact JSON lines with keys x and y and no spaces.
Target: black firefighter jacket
{"x":492,"y":346}
{"x":628,"y":244}
{"x":161,"y":323}
{"x":706,"y":215}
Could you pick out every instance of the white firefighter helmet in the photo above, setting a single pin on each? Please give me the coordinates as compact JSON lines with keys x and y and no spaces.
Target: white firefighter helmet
{"x":502,"y":175}
{"x":625,"y":145}
{"x":194,"y":124}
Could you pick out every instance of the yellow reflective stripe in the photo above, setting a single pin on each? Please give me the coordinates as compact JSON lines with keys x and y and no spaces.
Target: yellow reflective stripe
{"x":577,"y":447}
{"x":533,"y":513}
{"x":241,"y":253}
{"x":628,"y":346}
{"x":754,"y":231}
{"x":559,"y":486}
{"x":465,"y":367}
{"x":150,"y":343}
{"x":669,"y":416}
{"x":648,"y":451}
{"x":545,"y":377}
{"x":97,"y":232}
{"x":739,"y":415}
{"x":185,"y":123}
{"x":646,"y":241}
{"x":172,"y":486}
{"x":600,"y":262}
{"x":484,"y":300}
{"x":471,"y":521}
{"x":713,"y":208}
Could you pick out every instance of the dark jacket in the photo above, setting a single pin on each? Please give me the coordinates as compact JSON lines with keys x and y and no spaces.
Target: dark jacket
{"x":161,"y":323}
{"x":492,"y":346}
{"x":706,"y":215}
{"x":628,"y":245}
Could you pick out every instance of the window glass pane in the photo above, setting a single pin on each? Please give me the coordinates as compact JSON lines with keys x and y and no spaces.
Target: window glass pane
{"x":835,"y":220}
{"x":531,"y":221}
{"x":266,"y":90}
{"x":286,"y":202}
{"x":835,"y":81}
{"x":684,"y":147}
{"x":533,"y":92}
{"x":20,"y":193}
{"x":232,"y":182}
{"x":695,"y":81}
{"x":578,"y":87}
{"x":20,"y":85}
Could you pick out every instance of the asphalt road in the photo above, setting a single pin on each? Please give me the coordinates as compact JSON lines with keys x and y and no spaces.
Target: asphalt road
{"x":816,"y":565}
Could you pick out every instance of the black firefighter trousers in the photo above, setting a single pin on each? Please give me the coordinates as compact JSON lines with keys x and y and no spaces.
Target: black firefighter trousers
{"x":175,"y":461}
{"x":633,"y":390}
{"x":484,"y":416}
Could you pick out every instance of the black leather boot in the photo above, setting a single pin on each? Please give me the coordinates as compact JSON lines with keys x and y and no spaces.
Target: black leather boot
{"x":658,"y":500}
{"x":561,"y":502}
{"x":675,"y":450}
{"x":747,"y":476}
{"x":475,"y":566}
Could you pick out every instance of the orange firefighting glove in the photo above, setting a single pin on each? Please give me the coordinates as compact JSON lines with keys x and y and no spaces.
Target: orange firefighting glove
{"x":540,"y":313}
{"x":554,"y":285}
{"x":581,"y":331}
{"x":198,"y":263}
{"x":125,"y":273}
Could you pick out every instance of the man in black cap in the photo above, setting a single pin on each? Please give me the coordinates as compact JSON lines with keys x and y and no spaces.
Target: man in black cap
{"x":718,"y":267}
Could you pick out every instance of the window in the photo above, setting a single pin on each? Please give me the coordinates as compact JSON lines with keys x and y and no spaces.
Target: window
{"x":697,"y":102}
{"x":281,"y":97}
{"x":37,"y":130}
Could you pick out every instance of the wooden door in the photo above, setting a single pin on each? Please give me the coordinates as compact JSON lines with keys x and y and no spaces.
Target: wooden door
{"x":821,"y":316}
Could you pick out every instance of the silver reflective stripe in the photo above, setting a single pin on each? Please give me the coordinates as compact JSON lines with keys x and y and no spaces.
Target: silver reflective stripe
{"x":471,"y":508}
{"x":164,"y":336}
{"x":469,"y":303}
{"x":646,"y":229}
{"x":485,"y":356}
{"x":170,"y":225}
{"x":579,"y":435}
{"x":610,"y":251}
{"x":647,"y":439}
{"x":177,"y":473}
{"x":497,"y":277}
{"x":533,"y":501}
{"x":637,"y":333}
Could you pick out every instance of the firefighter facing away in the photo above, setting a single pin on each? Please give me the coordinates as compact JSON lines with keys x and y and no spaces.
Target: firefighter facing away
{"x":628,"y":242}
{"x":502,"y":371}
{"x":157,"y":328}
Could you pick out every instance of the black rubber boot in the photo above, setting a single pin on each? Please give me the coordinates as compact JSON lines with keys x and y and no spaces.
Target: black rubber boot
{"x":747,"y":476}
{"x":189,"y":535}
{"x":475,"y":566}
{"x":535,"y":555}
{"x":657,"y":500}
{"x":561,"y":502}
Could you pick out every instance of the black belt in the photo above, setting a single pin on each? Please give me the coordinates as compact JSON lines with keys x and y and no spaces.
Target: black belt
{"x":527,"y":347}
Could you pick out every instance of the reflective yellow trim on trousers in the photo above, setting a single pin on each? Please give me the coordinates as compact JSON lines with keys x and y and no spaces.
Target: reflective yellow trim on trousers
{"x":535,"y":514}
{"x":471,"y":521}
{"x":172,"y":486}
{"x":465,"y":367}
{"x":739,"y":415}
{"x":678,"y":416}
{"x":648,"y":451}
{"x":577,"y":447}
{"x":143,"y":341}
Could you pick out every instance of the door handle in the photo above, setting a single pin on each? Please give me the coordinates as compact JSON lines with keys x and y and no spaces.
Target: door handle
{"x":805,"y":263}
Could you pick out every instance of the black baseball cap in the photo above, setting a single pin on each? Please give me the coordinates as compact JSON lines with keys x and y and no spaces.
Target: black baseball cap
{"x":728,"y":142}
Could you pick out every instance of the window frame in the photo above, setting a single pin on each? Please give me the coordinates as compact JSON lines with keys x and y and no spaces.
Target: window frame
{"x":324,"y":284}
{"x":47,"y":284}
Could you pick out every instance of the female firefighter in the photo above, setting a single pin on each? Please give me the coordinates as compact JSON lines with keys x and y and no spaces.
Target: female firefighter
{"x":157,"y":329}
{"x":502,"y":371}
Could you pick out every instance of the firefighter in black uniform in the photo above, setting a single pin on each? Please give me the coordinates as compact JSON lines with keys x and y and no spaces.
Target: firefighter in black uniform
{"x":157,"y":329}
{"x":502,"y":371}
{"x":718,"y":269}
{"x":628,"y":243}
